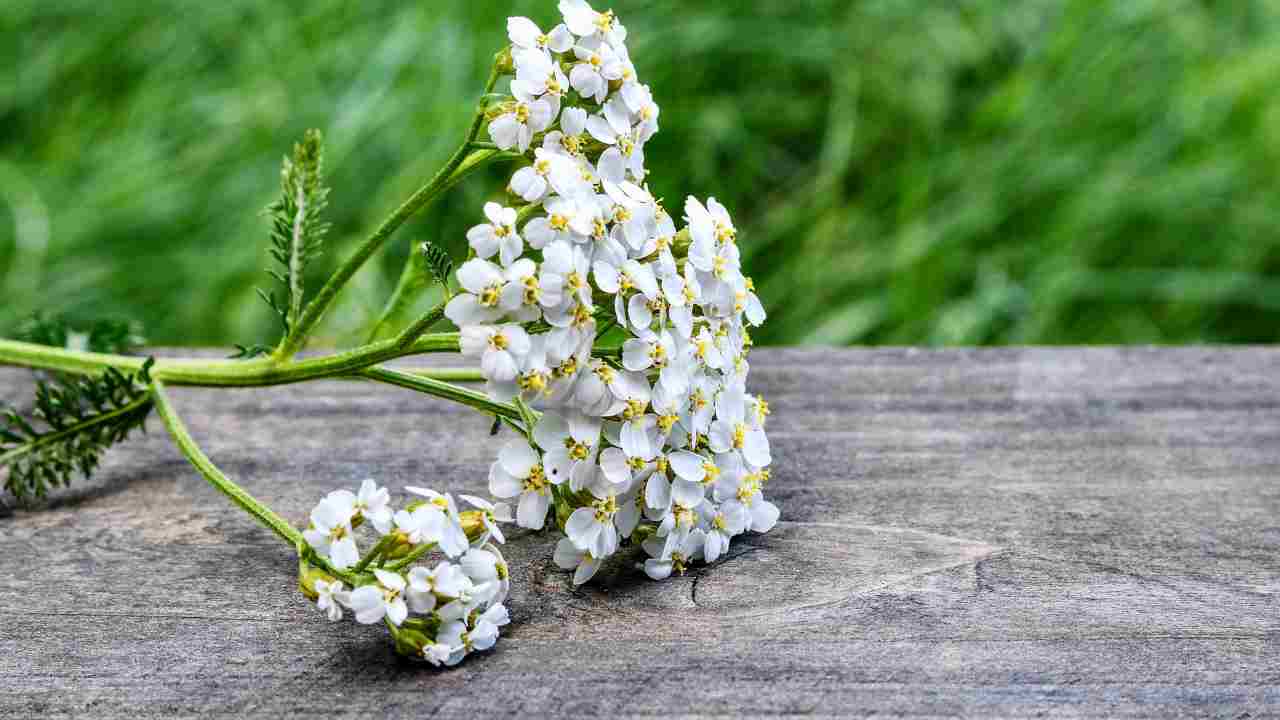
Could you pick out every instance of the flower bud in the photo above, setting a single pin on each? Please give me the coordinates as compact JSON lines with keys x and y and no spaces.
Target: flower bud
{"x":473,"y":523}
{"x":400,"y":545}
{"x":503,"y":63}
{"x":409,"y":643}
{"x":307,"y":578}
{"x":497,"y":110}
{"x":681,"y":242}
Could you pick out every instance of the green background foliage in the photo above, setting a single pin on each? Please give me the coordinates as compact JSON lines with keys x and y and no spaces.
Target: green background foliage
{"x":958,"y":172}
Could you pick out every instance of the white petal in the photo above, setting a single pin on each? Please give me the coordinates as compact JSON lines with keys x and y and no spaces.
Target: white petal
{"x":343,"y":554}
{"x":688,"y":494}
{"x":517,"y":458}
{"x":586,"y":570}
{"x":582,"y":527}
{"x":764,"y":515}
{"x":689,"y":466}
{"x":532,"y":510}
{"x":551,"y":431}
{"x":567,"y":555}
{"x":505,"y":131}
{"x":657,"y":492}
{"x":755,"y":448}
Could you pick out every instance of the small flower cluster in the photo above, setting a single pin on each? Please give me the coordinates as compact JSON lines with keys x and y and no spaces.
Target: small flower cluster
{"x":660,"y":431}
{"x":439,"y":614}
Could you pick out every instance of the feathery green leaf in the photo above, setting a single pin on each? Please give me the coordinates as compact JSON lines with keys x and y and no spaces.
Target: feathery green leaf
{"x":73,"y":421}
{"x":107,"y":335}
{"x":439,"y":263}
{"x":297,"y":225}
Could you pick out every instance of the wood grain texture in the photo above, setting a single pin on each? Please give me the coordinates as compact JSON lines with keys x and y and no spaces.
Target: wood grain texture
{"x":1015,"y":532}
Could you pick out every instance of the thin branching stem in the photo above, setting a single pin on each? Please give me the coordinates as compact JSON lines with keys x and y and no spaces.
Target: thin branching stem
{"x":182,"y":438}
{"x":232,"y":373}
{"x":440,"y":389}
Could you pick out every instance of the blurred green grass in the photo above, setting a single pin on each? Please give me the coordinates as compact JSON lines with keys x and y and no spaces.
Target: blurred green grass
{"x":959,"y":172}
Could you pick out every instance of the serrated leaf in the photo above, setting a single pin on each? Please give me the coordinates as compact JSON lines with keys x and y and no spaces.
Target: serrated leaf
{"x":438,"y":263}
{"x":297,"y":225}
{"x":81,"y":417}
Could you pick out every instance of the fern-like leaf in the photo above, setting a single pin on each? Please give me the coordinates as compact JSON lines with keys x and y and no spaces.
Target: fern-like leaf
{"x":297,"y":225}
{"x":73,"y":422}
{"x":103,"y":335}
{"x":439,"y":263}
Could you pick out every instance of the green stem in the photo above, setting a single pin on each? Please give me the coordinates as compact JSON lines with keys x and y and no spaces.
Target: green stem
{"x":221,"y":482}
{"x":387,"y":541}
{"x":420,"y":326}
{"x":411,"y":558}
{"x":230,"y":373}
{"x":459,"y":165}
{"x":412,"y":277}
{"x":445,"y":390}
{"x":415,"y":278}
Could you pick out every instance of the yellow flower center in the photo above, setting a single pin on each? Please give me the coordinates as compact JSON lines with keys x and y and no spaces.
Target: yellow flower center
{"x":658,"y":356}
{"x":568,"y":368}
{"x":625,"y":282}
{"x":532,"y":291}
{"x":498,"y":341}
{"x":533,"y":381}
{"x":604,"y":21}
{"x":607,"y":375}
{"x":621,"y":214}
{"x":501,"y":231}
{"x":581,"y":316}
{"x":577,"y":450}
{"x":739,"y":435}
{"x":634,"y":409}
{"x":626,"y":145}
{"x":522,"y":113}
{"x":490,"y":296}
{"x":701,"y":346}
{"x":666,"y":422}
{"x":605,"y":508}
{"x":762,"y":409}
{"x":542,"y":167}
{"x":572,"y":144}
{"x":636,"y":464}
{"x":537,"y":480}
{"x":713,"y":473}
{"x":719,"y":523}
{"x":662,"y":464}
{"x":697,"y":399}
{"x":558,"y":222}
{"x":598,"y":228}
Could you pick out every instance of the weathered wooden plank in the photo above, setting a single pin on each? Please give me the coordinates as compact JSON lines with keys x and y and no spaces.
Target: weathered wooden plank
{"x":1083,"y":532}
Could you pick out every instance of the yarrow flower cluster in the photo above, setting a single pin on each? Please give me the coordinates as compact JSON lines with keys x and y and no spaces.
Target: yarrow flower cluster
{"x":655,"y":439}
{"x":439,"y":614}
